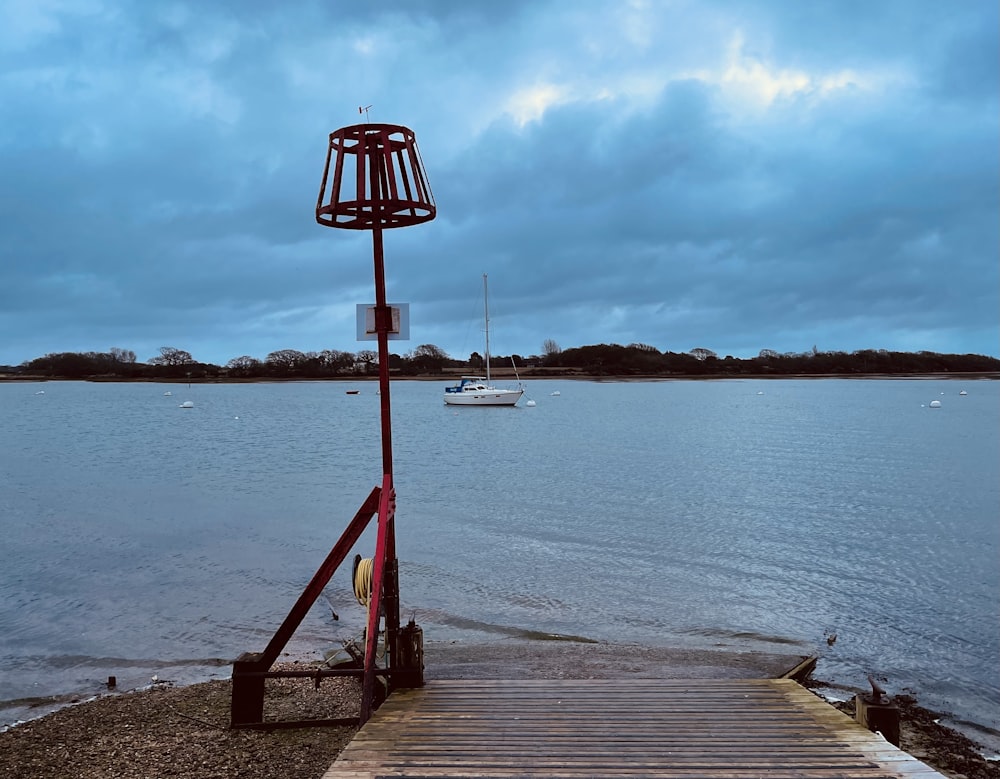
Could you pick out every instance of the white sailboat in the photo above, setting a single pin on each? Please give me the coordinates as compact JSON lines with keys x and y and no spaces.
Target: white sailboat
{"x":479,"y":390}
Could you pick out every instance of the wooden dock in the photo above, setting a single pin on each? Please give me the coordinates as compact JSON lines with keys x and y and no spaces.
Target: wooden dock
{"x":731,"y":729}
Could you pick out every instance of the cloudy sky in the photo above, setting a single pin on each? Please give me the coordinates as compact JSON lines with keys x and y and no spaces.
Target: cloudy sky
{"x":729,"y":175}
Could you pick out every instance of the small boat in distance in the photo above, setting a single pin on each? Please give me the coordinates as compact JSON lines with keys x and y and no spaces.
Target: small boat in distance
{"x":479,"y":390}
{"x":352,"y":392}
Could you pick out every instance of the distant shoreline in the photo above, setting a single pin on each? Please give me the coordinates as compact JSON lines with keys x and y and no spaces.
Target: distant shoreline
{"x":508,"y":375}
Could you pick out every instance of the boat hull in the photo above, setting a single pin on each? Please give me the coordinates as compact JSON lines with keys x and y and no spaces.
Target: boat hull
{"x":494,"y":397}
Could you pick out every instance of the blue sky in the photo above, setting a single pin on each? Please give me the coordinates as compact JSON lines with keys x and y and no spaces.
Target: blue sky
{"x":729,"y":175}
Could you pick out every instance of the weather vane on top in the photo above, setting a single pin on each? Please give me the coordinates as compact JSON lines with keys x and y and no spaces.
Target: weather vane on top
{"x":364,"y":110}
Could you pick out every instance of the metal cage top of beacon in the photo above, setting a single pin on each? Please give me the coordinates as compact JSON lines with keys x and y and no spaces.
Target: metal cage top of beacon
{"x":374,"y":179}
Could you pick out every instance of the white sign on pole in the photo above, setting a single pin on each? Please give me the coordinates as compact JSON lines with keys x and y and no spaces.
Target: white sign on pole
{"x":399,"y":330}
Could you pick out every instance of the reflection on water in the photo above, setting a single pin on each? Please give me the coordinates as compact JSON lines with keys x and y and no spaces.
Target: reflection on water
{"x":695,"y":514}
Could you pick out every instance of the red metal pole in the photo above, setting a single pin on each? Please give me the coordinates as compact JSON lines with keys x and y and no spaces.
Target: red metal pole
{"x":383,"y":322}
{"x":384,"y":562}
{"x":386,"y":509}
{"x":383,"y":325}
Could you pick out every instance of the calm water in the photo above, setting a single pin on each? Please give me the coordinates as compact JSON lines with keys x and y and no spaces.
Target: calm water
{"x":141,"y":538}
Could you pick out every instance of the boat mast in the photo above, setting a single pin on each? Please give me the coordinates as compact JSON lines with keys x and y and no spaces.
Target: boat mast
{"x":486,"y":315}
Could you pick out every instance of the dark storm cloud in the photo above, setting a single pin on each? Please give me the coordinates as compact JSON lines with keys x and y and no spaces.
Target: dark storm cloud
{"x":735,"y":176}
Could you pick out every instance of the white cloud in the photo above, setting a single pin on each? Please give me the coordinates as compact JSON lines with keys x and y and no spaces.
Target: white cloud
{"x":364,"y":44}
{"x":753,"y":82}
{"x":530,"y":103}
{"x":748,"y":82}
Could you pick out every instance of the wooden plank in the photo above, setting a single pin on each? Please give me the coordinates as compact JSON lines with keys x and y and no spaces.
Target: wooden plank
{"x":583,"y":728}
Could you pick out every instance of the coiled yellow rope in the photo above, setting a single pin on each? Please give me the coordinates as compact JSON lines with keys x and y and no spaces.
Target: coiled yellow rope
{"x":363,"y":581}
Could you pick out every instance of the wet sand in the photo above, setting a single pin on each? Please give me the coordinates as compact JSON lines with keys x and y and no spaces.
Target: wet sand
{"x":515,"y":659}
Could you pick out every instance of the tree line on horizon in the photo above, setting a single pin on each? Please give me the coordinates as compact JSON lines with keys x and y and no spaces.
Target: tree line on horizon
{"x":429,"y":360}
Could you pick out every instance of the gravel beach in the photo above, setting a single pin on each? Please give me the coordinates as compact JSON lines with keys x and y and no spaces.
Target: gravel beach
{"x":167,"y":731}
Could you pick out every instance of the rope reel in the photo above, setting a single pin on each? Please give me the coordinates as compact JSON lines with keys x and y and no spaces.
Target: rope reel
{"x":362,"y":578}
